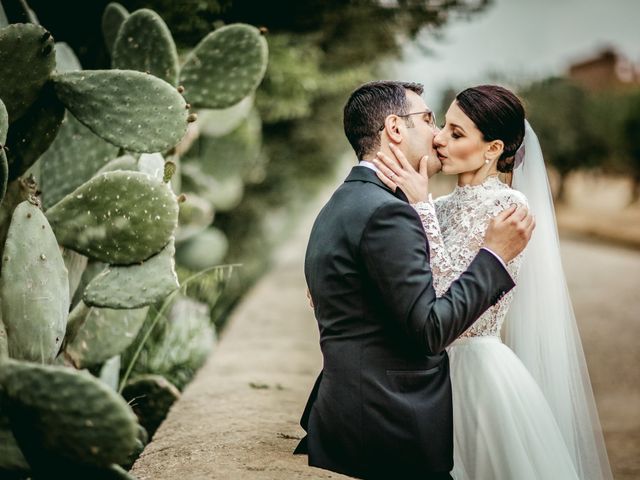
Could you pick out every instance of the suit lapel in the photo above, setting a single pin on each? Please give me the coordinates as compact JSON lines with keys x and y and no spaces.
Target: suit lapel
{"x":365,"y":174}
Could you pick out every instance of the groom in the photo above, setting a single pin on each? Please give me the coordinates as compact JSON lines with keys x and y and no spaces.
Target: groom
{"x":381,"y":408}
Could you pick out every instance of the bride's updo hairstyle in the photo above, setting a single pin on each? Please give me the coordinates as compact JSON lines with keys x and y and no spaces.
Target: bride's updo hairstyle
{"x":499,"y":115}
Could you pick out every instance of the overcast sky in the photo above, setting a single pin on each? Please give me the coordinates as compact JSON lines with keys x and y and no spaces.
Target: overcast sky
{"x":521,"y":38}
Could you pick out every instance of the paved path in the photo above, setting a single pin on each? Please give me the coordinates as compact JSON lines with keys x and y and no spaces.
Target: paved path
{"x":238,"y":418}
{"x":604,"y":283}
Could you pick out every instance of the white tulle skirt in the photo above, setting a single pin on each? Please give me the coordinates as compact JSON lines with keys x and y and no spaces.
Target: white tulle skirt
{"x":503,"y":426}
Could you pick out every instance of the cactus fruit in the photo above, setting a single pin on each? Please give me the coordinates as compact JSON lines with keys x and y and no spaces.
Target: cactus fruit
{"x":226,"y":66}
{"x":113,"y":17}
{"x":117,"y":217}
{"x":134,"y":286}
{"x":24,"y":48}
{"x":57,"y":413}
{"x":34,"y":287}
{"x":31,"y":135}
{"x":101,"y":334}
{"x":151,"y":397}
{"x":203,"y":250}
{"x":66,"y":60}
{"x":74,"y":157}
{"x":144,"y":43}
{"x":133,"y":110}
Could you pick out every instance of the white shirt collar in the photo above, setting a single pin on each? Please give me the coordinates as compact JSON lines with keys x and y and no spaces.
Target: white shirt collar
{"x":364,"y":163}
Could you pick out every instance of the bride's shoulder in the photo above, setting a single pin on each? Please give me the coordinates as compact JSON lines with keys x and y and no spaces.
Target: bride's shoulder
{"x":507,"y":196}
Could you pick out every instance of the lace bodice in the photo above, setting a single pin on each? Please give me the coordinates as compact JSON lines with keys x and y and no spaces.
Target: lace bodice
{"x":455,"y":225}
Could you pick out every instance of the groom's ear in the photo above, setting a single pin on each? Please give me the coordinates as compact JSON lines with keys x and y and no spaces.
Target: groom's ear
{"x":392,"y":128}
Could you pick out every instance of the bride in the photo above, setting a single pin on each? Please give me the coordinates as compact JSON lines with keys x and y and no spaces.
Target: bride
{"x":522,"y":409}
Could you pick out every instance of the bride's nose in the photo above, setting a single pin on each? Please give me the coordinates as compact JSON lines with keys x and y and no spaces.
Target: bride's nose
{"x":439,"y":139}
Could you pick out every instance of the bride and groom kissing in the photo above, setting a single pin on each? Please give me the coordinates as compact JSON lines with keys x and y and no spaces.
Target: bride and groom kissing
{"x":411,"y":294}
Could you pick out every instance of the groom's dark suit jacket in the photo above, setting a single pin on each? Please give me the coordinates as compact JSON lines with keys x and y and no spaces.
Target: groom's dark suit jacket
{"x":381,"y":407}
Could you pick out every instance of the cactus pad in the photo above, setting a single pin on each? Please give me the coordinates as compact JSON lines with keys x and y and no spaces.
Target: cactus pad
{"x":4,"y":123}
{"x":102,"y":333}
{"x":144,"y":43}
{"x":59,"y":413}
{"x":226,"y":66}
{"x":112,"y":18}
{"x":29,"y":50}
{"x":34,"y":287}
{"x":31,"y":135}
{"x":195,"y":215}
{"x":73,"y":158}
{"x":117,"y":217}
{"x":66,"y":60}
{"x":134,"y":286}
{"x":204,"y":250}
{"x":125,"y":162}
{"x":216,"y":123}
{"x":133,"y":110}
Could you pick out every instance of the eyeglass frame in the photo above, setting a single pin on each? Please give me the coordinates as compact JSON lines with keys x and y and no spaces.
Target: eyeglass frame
{"x":432,"y":122}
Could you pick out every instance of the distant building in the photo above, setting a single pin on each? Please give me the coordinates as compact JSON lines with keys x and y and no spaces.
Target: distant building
{"x":605,"y":71}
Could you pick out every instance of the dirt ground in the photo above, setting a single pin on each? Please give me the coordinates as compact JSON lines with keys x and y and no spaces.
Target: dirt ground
{"x":239,"y":417}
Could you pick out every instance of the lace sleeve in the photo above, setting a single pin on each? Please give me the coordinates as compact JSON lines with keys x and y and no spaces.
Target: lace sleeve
{"x":444,"y":270}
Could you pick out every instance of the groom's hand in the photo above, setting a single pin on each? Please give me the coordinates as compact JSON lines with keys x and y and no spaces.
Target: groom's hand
{"x":509,"y":232}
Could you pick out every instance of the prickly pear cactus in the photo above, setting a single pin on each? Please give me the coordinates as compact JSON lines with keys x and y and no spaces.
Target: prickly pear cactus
{"x":133,"y":110}
{"x":66,"y":60}
{"x":97,"y":334}
{"x":31,"y":135}
{"x":4,"y":165}
{"x":112,"y":19}
{"x":144,"y":43}
{"x":195,"y":215}
{"x":117,"y":217}
{"x":135,"y":286}
{"x":203,"y":250}
{"x":226,"y":66}
{"x":59,"y":414}
{"x":74,"y":157}
{"x":34,"y":287}
{"x":27,"y":49}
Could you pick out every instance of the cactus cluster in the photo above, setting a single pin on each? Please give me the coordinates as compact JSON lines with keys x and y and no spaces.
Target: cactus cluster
{"x":91,"y":224}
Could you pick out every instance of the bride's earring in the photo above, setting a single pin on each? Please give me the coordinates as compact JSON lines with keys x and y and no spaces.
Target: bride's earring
{"x":486,"y":161}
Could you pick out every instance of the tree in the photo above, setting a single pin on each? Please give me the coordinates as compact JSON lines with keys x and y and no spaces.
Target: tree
{"x":558,"y":111}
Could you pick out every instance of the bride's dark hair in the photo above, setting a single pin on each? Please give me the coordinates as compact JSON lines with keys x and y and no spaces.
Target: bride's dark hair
{"x":499,"y":115}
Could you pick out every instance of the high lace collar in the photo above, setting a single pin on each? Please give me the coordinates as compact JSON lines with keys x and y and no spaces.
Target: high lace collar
{"x":492,"y":182}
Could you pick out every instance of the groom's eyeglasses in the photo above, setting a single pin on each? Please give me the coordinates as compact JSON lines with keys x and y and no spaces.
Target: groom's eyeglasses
{"x":430,"y":118}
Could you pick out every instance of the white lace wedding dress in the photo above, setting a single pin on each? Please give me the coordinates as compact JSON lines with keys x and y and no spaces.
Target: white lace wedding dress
{"x":504,"y":428}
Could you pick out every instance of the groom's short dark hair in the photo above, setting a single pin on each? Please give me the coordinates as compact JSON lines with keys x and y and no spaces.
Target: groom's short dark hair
{"x":368,"y":107}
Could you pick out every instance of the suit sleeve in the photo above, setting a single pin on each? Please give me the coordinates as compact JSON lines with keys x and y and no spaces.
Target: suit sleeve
{"x":395,"y":253}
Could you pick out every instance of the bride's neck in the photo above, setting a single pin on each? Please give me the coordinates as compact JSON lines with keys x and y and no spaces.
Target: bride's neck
{"x":476,"y":177}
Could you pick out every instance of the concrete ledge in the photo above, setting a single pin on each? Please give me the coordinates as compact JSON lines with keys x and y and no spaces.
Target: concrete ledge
{"x":239,"y":417}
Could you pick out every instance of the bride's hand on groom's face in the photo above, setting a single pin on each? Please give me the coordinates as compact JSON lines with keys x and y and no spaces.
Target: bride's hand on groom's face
{"x":509,"y":232}
{"x":398,"y":172}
